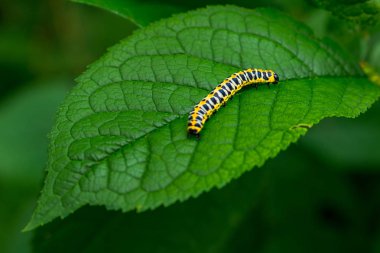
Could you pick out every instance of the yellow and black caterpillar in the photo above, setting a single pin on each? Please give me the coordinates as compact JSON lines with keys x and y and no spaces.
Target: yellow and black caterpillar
{"x":223,"y":92}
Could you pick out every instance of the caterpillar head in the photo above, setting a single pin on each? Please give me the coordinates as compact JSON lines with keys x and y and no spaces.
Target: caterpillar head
{"x":276,"y":79}
{"x":270,"y":77}
{"x":193,"y":131}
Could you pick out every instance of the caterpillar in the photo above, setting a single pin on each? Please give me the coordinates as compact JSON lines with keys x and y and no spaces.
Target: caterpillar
{"x":223,"y":92}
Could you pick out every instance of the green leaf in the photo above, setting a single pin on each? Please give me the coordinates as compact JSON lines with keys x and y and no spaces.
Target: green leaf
{"x":120,"y":138}
{"x":362,"y":12}
{"x":135,"y":11}
{"x":25,"y":120}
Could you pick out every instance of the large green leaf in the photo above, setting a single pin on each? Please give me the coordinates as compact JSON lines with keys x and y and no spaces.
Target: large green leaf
{"x":120,"y":137}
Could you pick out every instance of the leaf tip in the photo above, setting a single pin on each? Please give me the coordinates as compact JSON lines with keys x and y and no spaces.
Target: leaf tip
{"x":32,"y":224}
{"x":48,"y":208}
{"x":29,"y":226}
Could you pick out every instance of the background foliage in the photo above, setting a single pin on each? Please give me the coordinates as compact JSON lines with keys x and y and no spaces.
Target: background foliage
{"x":319,"y":195}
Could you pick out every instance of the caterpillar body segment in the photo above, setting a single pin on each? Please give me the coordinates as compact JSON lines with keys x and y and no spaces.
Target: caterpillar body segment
{"x":225,"y":91}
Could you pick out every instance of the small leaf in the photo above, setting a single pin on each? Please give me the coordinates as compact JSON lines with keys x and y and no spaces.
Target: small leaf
{"x":363,"y":12}
{"x":120,"y":137}
{"x":137,"y":12}
{"x":25,"y":119}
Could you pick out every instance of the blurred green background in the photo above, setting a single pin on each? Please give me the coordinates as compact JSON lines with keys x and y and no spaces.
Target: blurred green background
{"x":320,"y":195}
